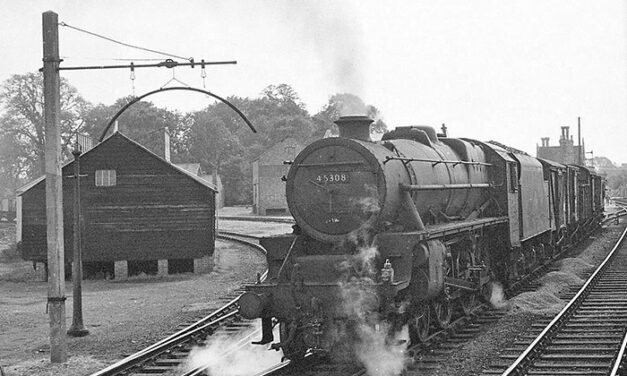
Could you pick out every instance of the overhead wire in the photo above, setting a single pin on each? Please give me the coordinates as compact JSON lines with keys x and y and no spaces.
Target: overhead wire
{"x":122,"y":43}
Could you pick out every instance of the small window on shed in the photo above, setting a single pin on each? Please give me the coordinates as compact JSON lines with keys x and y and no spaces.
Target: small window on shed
{"x":105,"y":178}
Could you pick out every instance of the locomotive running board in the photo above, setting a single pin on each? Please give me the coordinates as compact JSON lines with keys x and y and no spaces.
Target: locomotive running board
{"x":438,"y":231}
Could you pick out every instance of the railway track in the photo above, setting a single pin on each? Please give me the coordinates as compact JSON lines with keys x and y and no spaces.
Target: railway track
{"x":170,"y":354}
{"x":425,"y":357}
{"x":588,"y":337}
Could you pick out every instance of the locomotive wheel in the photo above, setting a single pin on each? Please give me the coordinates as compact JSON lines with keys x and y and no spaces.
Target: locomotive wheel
{"x":542,"y":252}
{"x":468,"y":302}
{"x":443,"y":310}
{"x":297,"y":348}
{"x":419,"y":325}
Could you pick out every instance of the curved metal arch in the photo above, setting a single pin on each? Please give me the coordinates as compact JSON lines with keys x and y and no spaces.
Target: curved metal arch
{"x":137,"y":99}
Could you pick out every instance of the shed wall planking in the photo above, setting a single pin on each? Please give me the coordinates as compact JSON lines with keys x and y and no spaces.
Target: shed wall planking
{"x":153,"y":212}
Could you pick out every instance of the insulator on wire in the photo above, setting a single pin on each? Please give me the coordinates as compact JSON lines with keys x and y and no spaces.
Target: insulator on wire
{"x":133,"y":77}
{"x":203,"y":72}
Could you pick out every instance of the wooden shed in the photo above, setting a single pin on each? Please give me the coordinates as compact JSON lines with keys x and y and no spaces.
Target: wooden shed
{"x":139,"y":212}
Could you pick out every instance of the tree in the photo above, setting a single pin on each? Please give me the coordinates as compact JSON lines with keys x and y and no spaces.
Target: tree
{"x":346,"y":104}
{"x":143,"y":122}
{"x":211,"y":138}
{"x":23,"y":119}
{"x":218,"y":137}
{"x":15,"y":162}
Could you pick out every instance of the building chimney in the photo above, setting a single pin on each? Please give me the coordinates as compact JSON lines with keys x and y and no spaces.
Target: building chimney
{"x":356,"y":127}
{"x":166,"y":142}
{"x":565,"y":133}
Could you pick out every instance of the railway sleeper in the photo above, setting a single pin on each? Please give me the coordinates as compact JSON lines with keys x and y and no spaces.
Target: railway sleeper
{"x":169,"y":362}
{"x":578,"y":357}
{"x":596,"y":324}
{"x":596,"y":336}
{"x":590,"y":365}
{"x":554,"y":372}
{"x":588,"y":347}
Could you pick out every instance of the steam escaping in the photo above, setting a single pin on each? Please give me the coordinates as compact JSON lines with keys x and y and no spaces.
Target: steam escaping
{"x":371,"y":340}
{"x":367,"y":205}
{"x":229,"y":355}
{"x":380,"y":354}
{"x":497,"y":297}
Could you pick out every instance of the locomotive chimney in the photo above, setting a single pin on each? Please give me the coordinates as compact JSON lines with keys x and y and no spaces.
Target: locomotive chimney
{"x":356,"y":127}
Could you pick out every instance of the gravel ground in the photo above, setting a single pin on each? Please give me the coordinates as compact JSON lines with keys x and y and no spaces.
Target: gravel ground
{"x":476,"y":355}
{"x":122,"y":316}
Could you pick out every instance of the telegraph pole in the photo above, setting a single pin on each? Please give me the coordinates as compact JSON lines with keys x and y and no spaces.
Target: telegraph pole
{"x":54,"y":188}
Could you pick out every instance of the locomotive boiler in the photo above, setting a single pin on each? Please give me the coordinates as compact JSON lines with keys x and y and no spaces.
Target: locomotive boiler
{"x":402,"y":230}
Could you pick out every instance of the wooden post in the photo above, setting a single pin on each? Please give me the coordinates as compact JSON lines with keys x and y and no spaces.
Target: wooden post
{"x":54,"y":189}
{"x":580,"y":157}
{"x":77,"y":329}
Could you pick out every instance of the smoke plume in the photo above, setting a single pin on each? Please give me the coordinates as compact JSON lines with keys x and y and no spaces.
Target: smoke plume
{"x":335,"y":34}
{"x":233,"y":355}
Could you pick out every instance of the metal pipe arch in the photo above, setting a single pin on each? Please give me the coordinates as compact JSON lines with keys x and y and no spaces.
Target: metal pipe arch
{"x":137,"y":99}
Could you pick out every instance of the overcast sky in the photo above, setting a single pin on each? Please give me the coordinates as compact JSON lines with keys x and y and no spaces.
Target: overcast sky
{"x":512,"y":71}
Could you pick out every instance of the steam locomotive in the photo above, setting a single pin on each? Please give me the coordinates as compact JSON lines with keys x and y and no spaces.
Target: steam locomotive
{"x":408,"y":229}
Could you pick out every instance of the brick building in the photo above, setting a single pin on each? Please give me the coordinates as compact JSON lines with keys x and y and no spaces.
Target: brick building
{"x":567,"y":152}
{"x":268,"y":168}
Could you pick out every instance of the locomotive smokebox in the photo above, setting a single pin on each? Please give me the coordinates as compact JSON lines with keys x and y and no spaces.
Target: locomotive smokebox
{"x":356,"y":127}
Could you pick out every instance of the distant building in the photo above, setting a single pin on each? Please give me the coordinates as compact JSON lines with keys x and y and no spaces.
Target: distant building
{"x":139,"y":213}
{"x":195,"y":169}
{"x":268,"y":169}
{"x":567,"y":152}
{"x":7,"y":205}
{"x":219,"y":187}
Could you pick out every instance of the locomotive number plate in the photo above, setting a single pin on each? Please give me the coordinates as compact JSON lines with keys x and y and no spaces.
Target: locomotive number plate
{"x":333,"y":177}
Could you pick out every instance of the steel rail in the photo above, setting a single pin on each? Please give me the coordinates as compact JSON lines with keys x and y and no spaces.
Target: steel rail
{"x":309,"y":359}
{"x":272,"y":370}
{"x":230,"y":235}
{"x":531,"y":353}
{"x":614,"y":216}
{"x":133,"y":360}
{"x":619,"y":357}
{"x":228,"y":311}
{"x":623,"y":348}
{"x":201,"y":370}
{"x":240,"y":344}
